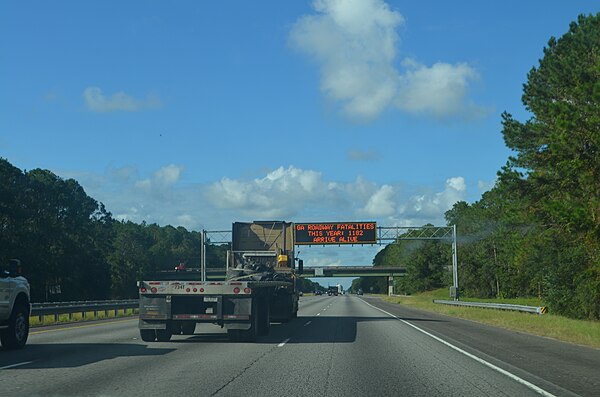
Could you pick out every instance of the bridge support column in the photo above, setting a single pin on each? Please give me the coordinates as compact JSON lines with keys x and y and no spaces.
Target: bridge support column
{"x":390,"y":285}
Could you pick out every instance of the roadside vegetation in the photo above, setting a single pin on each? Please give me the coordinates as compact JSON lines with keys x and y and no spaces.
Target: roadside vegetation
{"x":536,"y":233}
{"x":38,"y":321}
{"x":72,"y":248}
{"x":581,"y":332}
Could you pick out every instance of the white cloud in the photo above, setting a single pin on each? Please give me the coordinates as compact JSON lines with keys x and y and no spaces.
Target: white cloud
{"x":96,"y":101}
{"x":440,"y":89}
{"x":280,"y":193}
{"x":293,"y":193}
{"x":430,"y":207}
{"x":355,"y":42}
{"x":290,"y":193}
{"x":381,"y":203}
{"x":163,"y":177}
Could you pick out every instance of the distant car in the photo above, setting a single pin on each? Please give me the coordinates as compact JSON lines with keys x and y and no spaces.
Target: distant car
{"x":359,"y":292}
{"x":300,"y":293}
{"x":318,"y":292}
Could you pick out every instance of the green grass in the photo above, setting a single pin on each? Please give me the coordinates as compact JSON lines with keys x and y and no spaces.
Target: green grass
{"x":36,"y":321}
{"x":581,"y":332}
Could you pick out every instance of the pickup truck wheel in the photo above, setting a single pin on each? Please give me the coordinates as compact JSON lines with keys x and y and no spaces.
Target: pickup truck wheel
{"x":163,"y":335}
{"x":15,"y":336}
{"x":148,"y":335}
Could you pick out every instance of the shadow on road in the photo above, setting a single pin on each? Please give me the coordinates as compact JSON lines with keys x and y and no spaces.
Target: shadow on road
{"x":70,"y":355}
{"x":313,"y":329}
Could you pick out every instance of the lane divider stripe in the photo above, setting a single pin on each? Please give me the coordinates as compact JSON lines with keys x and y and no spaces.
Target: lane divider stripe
{"x":283,"y":343}
{"x":16,"y":365}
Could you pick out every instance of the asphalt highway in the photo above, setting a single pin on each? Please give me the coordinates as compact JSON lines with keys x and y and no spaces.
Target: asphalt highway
{"x":338,"y":346}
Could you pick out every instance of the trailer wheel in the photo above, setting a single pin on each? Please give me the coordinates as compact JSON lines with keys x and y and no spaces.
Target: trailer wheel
{"x":163,"y":335}
{"x":15,"y":336}
{"x":188,"y":328}
{"x":148,"y":335}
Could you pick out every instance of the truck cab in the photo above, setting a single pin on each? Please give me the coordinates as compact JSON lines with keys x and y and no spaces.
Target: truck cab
{"x":15,"y":306}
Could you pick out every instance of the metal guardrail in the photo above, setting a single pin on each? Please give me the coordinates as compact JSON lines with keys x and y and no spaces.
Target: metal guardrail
{"x":56,"y":309}
{"x":500,"y":306}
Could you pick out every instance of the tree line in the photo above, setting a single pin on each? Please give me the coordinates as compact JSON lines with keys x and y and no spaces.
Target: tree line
{"x":536,"y":233}
{"x":72,"y":248}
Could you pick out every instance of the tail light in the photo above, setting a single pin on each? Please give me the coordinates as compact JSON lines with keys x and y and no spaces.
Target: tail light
{"x":236,"y":290}
{"x":247,"y":290}
{"x":143,"y":290}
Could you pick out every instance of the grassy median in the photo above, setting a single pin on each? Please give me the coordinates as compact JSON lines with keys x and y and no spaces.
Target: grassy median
{"x":581,"y":332}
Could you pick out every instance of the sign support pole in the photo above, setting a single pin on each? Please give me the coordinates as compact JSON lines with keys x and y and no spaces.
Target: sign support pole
{"x":203,"y":255}
{"x":454,"y":264}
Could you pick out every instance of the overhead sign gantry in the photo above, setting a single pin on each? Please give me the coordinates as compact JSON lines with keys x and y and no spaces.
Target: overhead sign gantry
{"x":350,"y":233}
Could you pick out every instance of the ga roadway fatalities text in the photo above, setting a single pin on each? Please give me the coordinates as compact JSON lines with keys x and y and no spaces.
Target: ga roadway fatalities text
{"x":336,"y":233}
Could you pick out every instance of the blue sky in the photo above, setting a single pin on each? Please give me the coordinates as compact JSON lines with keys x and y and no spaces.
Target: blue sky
{"x":204,"y":113}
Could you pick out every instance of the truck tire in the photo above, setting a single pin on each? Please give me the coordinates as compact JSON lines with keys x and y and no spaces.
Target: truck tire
{"x":188,"y":328}
{"x":15,"y":336}
{"x":163,"y":335}
{"x":289,"y":314}
{"x":148,"y":335}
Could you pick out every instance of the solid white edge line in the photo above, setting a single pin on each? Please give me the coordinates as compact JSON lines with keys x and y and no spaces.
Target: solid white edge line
{"x":318,"y":314}
{"x":514,"y":377}
{"x":283,"y":343}
{"x":16,"y":365}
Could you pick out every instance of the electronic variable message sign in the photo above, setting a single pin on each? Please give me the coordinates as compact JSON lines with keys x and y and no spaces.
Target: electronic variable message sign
{"x":335,"y":233}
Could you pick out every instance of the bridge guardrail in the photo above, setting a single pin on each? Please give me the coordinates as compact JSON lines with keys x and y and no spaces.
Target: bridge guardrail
{"x":41,"y":310}
{"x":500,"y":306}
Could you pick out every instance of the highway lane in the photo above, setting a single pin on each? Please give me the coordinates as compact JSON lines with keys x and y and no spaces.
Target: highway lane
{"x":337,"y":345}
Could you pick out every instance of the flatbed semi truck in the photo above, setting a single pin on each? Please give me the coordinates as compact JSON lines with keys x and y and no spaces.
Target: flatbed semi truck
{"x":260,"y":287}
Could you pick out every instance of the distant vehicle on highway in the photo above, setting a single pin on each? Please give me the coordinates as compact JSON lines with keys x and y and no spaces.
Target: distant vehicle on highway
{"x":332,"y":290}
{"x":359,"y":292}
{"x":318,"y":292}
